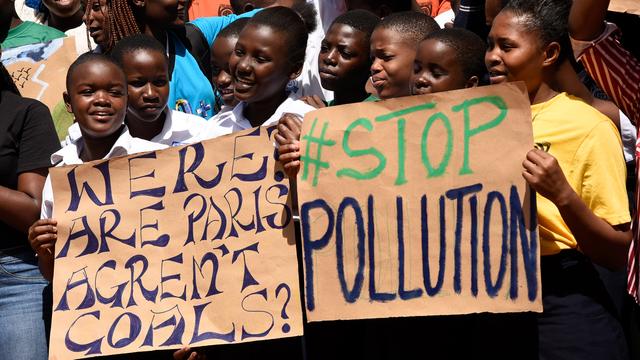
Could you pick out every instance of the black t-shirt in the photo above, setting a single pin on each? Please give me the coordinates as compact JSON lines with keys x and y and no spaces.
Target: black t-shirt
{"x":27,"y":140}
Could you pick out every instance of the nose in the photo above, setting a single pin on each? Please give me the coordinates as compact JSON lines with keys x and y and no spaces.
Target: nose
{"x":150,"y":94}
{"x":223,"y":80}
{"x":491,"y":57}
{"x":420,"y":80}
{"x":243,"y":66}
{"x":376,"y":65}
{"x":331,"y":57}
{"x":102,"y":99}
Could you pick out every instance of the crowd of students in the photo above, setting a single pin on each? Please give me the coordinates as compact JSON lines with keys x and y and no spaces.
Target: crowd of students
{"x":154,"y":80}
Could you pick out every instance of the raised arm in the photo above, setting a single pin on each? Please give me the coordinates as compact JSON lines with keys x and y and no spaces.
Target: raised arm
{"x":586,"y":20}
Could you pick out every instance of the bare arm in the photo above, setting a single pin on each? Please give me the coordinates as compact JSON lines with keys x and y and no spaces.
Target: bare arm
{"x":586,"y":19}
{"x":604,"y":244}
{"x":20,"y":208}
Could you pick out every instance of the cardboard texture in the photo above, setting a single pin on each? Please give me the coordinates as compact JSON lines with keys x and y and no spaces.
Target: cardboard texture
{"x":445,"y":167}
{"x":39,"y":70}
{"x":186,"y":246}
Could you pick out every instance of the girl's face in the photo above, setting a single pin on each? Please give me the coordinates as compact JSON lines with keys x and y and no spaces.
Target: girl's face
{"x":96,"y":20}
{"x":220,"y":53}
{"x":147,"y":75}
{"x":165,"y":13}
{"x":62,"y":8}
{"x":514,"y":53}
{"x":436,"y":69}
{"x":259,"y":64}
{"x":97,"y":96}
{"x":392,"y":65}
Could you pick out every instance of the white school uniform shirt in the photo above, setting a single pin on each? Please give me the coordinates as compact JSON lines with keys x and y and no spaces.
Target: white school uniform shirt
{"x":234,"y":120}
{"x":179,"y":129}
{"x":70,"y":155}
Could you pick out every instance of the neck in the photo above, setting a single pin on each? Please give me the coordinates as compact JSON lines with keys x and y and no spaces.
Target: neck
{"x":159,"y":33}
{"x":544,"y":92}
{"x":98,"y":148}
{"x":567,"y":80}
{"x":258,"y":112}
{"x":15,"y":21}
{"x":349,"y":96}
{"x":65,"y":23}
{"x":146,"y":130}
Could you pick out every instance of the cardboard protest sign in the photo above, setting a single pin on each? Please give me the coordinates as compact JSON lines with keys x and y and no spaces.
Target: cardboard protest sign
{"x":39,"y":70}
{"x":185,"y":246}
{"x":417,"y":206}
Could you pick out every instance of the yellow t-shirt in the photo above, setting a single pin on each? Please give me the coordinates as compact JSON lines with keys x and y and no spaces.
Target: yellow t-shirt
{"x":588,"y":148}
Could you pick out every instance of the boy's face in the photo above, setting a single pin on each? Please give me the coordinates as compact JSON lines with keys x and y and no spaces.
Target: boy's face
{"x":165,"y":13}
{"x":344,"y":58}
{"x":221,"y":75}
{"x":97,"y":96}
{"x":259,"y":64}
{"x":436,"y":69}
{"x":147,"y":75}
{"x":392,"y":65}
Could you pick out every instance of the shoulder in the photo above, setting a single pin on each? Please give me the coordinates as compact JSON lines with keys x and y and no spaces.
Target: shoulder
{"x":15,"y":106}
{"x":296,"y":106}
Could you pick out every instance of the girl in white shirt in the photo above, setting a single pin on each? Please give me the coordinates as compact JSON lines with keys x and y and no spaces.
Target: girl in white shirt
{"x":269,"y":53}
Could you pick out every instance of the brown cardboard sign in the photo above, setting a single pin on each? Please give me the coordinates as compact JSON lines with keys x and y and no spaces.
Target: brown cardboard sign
{"x":190,"y":245}
{"x":417,"y":206}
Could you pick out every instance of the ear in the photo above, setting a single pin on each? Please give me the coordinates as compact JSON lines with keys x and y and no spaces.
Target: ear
{"x":472,"y":82}
{"x":295,"y":71}
{"x":67,"y":102}
{"x":139,"y":3}
{"x":551,"y":54}
{"x":248,"y":6}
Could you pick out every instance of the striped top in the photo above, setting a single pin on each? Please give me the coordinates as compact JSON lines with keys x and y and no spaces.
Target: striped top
{"x":617,"y":72}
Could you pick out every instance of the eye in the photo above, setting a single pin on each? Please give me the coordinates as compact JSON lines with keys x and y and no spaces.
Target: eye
{"x":416,"y":67}
{"x":238,"y":52}
{"x":262,"y":59}
{"x":160,"y":82}
{"x":324,"y":47}
{"x":137,"y":83}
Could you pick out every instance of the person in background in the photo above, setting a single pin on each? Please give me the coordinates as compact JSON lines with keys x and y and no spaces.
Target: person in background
{"x":28,"y":140}
{"x":344,"y":61}
{"x":393,"y":48}
{"x":23,"y":32}
{"x":222,"y":78}
{"x":448,"y":59}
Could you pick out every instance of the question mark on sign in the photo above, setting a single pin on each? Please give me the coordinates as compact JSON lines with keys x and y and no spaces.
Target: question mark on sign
{"x":283,"y":313}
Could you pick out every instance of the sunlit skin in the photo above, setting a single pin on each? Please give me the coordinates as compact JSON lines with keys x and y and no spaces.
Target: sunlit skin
{"x":221,"y":74}
{"x":147,"y":73}
{"x":261,"y":71}
{"x":392,"y":65}
{"x":516,"y":54}
{"x":97,"y":96}
{"x":436,"y":68}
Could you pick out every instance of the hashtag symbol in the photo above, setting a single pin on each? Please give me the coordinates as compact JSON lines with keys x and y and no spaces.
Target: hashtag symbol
{"x":317,"y":162}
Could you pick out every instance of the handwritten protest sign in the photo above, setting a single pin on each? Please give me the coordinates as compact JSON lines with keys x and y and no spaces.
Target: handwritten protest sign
{"x":185,"y":246}
{"x":39,"y":70}
{"x":417,"y":206}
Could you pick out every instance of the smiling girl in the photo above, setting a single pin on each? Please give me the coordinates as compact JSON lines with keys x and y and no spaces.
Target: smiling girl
{"x":579,"y":176}
{"x":269,"y":53}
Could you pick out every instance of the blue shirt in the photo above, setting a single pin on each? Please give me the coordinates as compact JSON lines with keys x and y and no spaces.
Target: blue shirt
{"x":189,"y":89}
{"x":211,"y":26}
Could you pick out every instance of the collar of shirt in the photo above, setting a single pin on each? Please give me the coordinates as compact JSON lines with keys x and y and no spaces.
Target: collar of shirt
{"x":125,"y":145}
{"x":236,"y":121}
